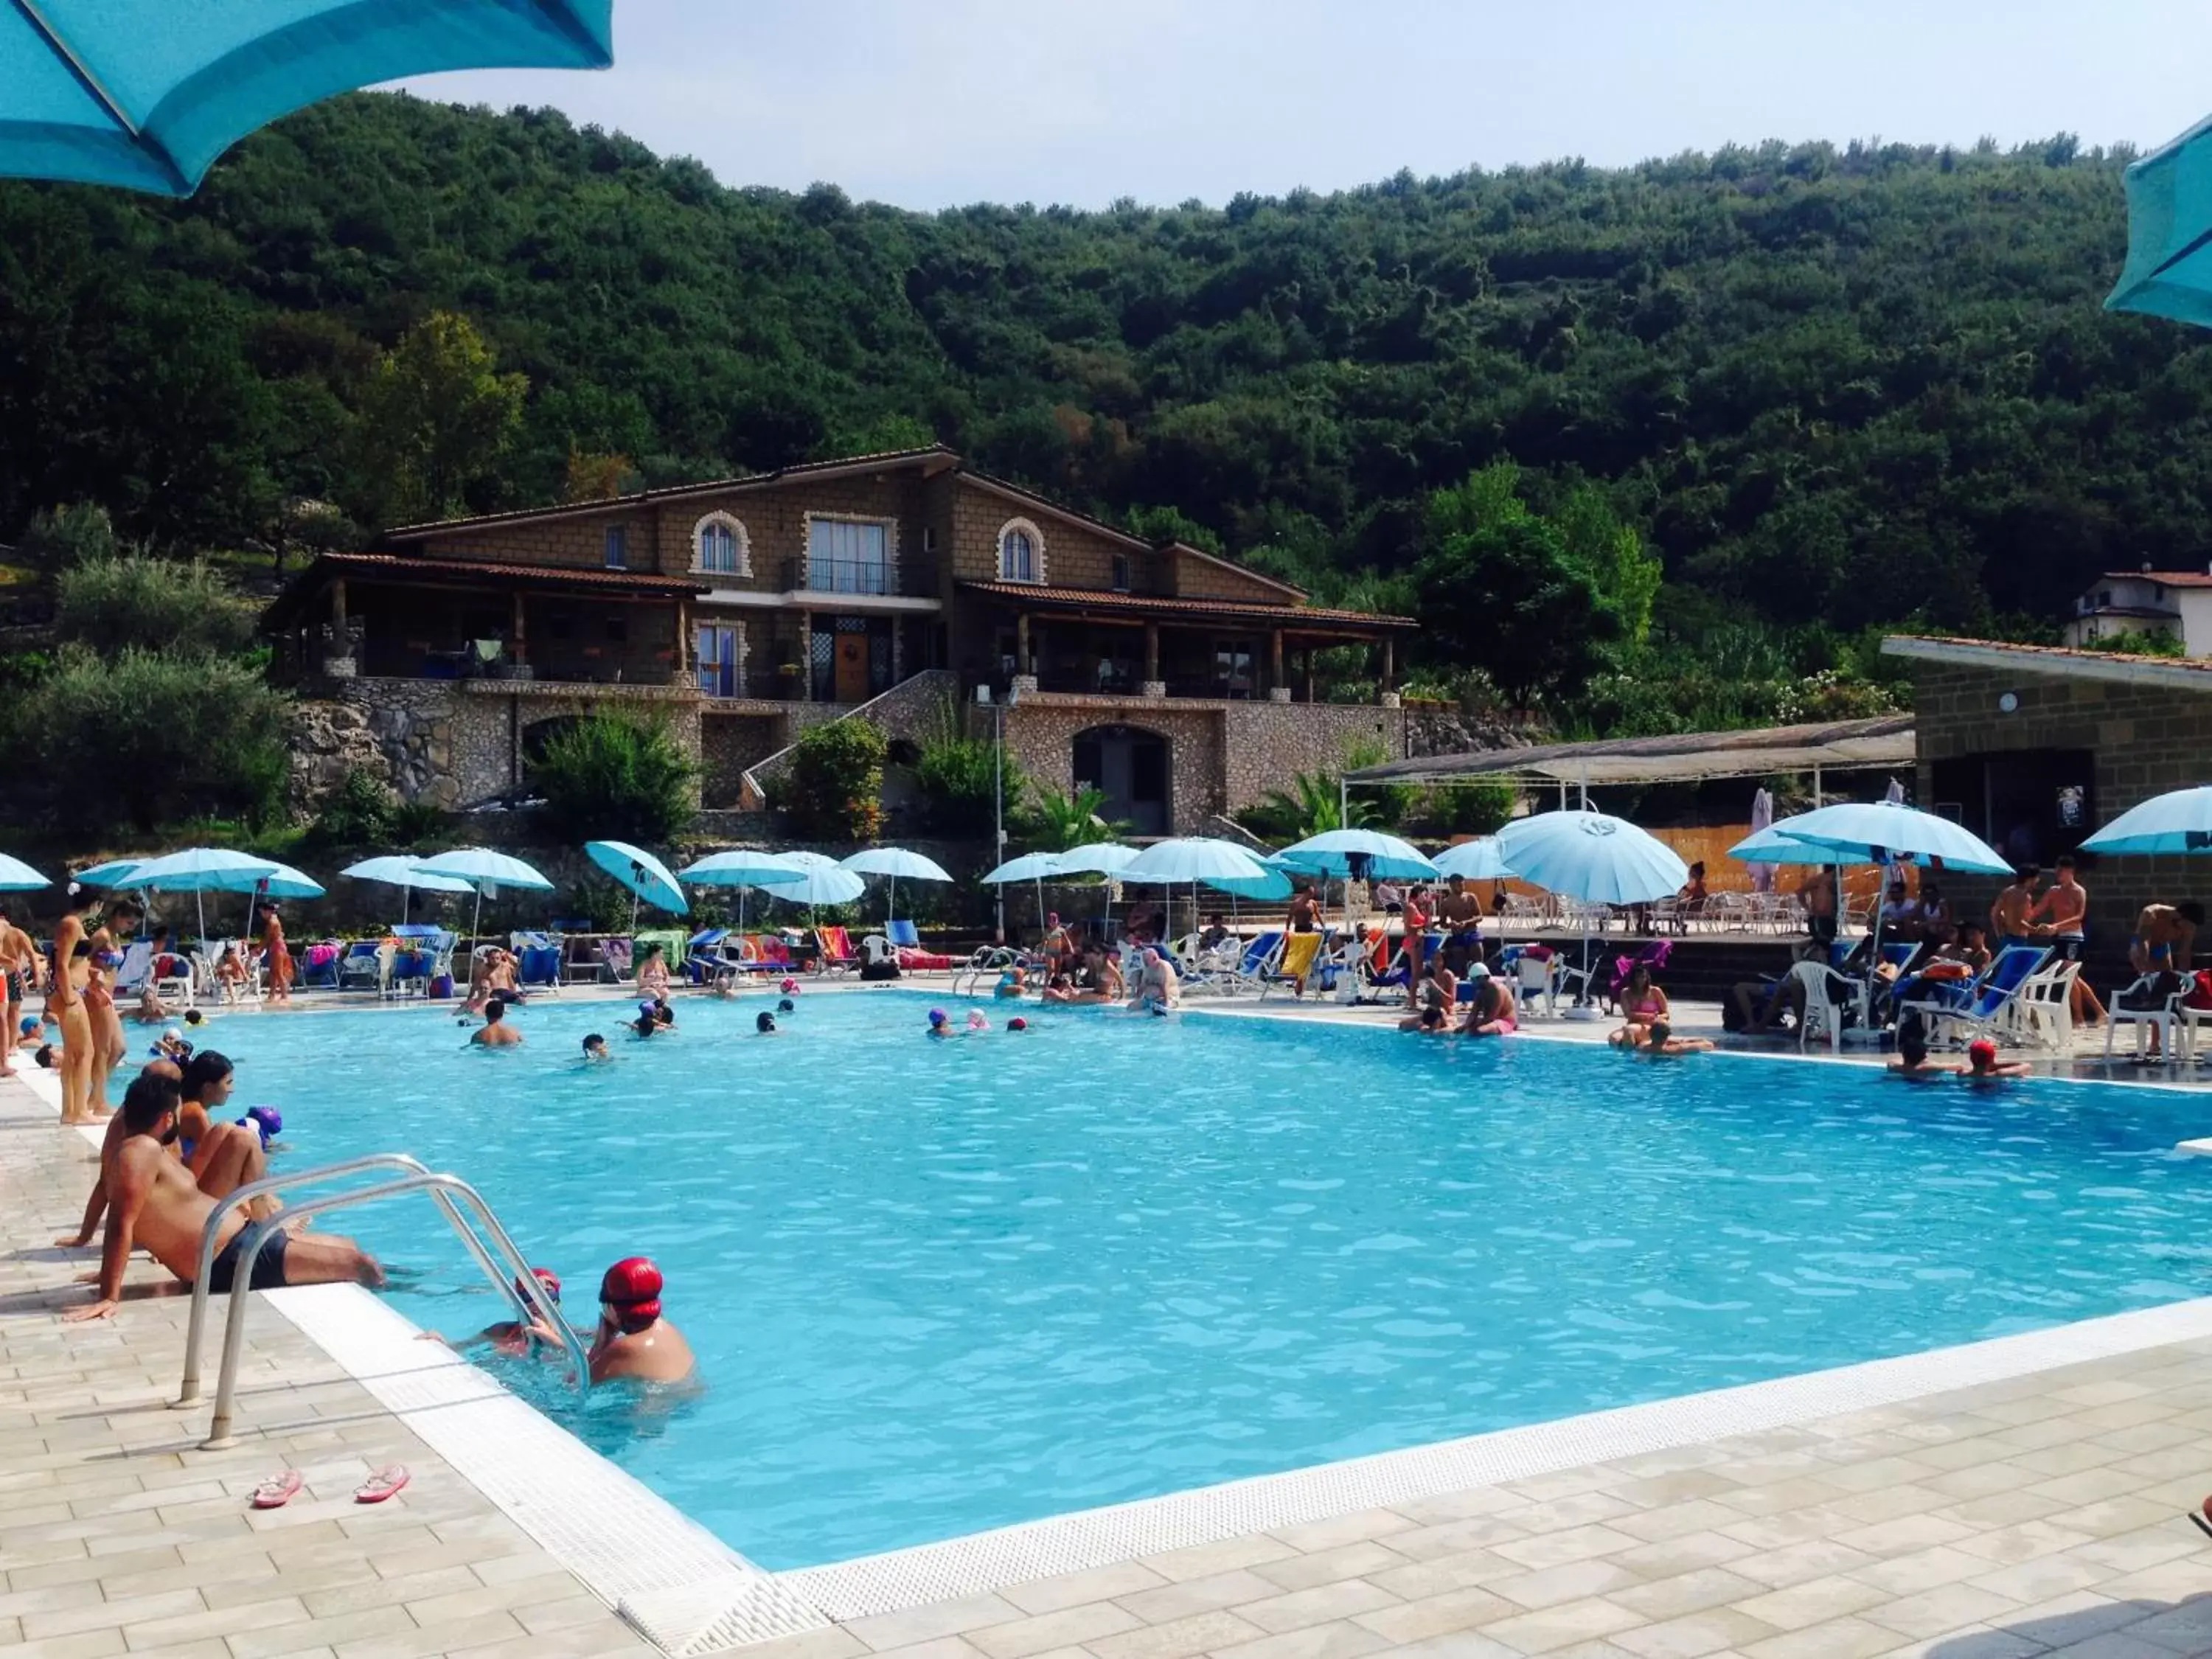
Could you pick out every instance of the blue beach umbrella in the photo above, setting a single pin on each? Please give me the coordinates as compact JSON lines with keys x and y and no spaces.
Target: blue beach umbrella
{"x":821,"y":880}
{"x":646,"y":876}
{"x":146,"y":94}
{"x":202,"y":869}
{"x":1592,"y":856}
{"x":1193,"y":860}
{"x":1338,"y":852}
{"x":744,"y":867}
{"x":1873,"y":829}
{"x":2169,"y":267}
{"x":486,"y":870}
{"x":17,"y":877}
{"x":1032,"y":867}
{"x":2179,"y":822}
{"x":115,"y":872}
{"x":1475,"y":861}
{"x":892,"y":862}
{"x":398,"y":870}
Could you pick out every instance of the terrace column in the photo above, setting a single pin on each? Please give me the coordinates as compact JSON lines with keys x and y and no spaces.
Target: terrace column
{"x":519,"y":639}
{"x":1310,"y":673}
{"x":338,"y":612}
{"x":1389,"y":664}
{"x":806,"y":656}
{"x":1023,"y":665}
{"x":1279,"y":683}
{"x":1154,"y":686}
{"x":681,"y":657}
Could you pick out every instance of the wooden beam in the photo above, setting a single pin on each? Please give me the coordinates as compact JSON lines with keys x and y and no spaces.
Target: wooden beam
{"x":1275,"y":680}
{"x":1389,"y":664}
{"x":1023,"y":665}
{"x":1152,"y":651}
{"x":518,"y":643}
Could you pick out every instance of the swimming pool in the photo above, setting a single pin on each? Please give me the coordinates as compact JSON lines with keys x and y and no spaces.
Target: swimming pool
{"x":941,"y":1287}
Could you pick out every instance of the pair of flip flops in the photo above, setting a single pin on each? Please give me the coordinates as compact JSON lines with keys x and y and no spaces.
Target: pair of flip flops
{"x":280,"y":1489}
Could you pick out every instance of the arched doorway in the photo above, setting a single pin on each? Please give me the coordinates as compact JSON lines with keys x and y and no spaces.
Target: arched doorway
{"x":1130,"y":765}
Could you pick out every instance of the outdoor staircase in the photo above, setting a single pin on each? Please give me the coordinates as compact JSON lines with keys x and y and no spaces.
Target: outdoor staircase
{"x":906,"y":710}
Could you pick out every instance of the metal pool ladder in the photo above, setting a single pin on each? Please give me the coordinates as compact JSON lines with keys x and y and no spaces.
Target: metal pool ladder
{"x":452,"y":1194}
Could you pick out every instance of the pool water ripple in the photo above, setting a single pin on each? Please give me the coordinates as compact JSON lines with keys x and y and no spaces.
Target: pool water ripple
{"x":941,"y":1287}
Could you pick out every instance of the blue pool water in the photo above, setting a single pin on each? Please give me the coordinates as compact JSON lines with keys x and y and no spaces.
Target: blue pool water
{"x":940,"y":1286}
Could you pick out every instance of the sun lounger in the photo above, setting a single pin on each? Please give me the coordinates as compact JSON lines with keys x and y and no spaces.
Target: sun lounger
{"x":1294,"y":966}
{"x":366,"y":965}
{"x":1988,"y":1007}
{"x":836,"y":953}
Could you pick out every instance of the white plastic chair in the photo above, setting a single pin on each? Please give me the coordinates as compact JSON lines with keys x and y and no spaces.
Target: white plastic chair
{"x":2044,"y":1010}
{"x":1823,"y":1012}
{"x":1537,"y":976}
{"x":2163,"y":1015}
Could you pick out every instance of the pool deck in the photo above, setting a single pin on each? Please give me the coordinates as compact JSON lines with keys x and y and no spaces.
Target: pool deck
{"x":2041,"y":1510}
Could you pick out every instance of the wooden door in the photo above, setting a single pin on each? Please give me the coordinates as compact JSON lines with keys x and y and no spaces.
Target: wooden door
{"x":852,"y":668}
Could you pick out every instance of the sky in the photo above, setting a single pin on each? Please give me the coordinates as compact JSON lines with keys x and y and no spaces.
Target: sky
{"x":938,"y":103}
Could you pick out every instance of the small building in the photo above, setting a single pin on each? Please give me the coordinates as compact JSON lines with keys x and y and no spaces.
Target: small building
{"x":2177,"y":603}
{"x":2035,"y":748}
{"x":748,"y":609}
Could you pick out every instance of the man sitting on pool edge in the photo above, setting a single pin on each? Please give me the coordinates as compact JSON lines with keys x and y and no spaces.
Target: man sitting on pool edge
{"x":154,"y":1204}
{"x":633,"y":1340}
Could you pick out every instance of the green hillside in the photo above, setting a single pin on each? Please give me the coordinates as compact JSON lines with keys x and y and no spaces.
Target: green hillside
{"x":1835,"y":387}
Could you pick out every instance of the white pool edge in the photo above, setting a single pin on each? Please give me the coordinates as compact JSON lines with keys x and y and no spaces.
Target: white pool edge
{"x":689,"y":1593}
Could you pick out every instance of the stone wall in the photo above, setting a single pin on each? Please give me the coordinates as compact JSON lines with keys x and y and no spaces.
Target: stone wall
{"x":1223,"y":756}
{"x":1074,"y":555}
{"x":908,"y":710}
{"x":729,"y":743}
{"x":1195,"y":576}
{"x":2147,"y":739}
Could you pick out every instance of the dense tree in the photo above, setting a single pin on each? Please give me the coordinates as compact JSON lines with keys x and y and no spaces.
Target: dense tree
{"x":1830,"y":387}
{"x":436,"y":415}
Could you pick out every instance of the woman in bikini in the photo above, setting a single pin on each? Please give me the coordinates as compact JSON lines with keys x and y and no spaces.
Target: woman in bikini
{"x":277,"y":958}
{"x":108,"y":940}
{"x":1641,"y":1001}
{"x":72,"y":970}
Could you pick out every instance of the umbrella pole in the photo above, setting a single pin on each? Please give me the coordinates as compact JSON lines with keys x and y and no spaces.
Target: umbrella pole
{"x":476,"y":918}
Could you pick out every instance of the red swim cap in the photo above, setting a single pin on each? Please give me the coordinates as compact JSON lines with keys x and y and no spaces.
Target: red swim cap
{"x":1982,"y":1052}
{"x":632,"y":1286}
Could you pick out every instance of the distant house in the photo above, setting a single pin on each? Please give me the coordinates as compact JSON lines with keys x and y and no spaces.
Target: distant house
{"x":748,"y":609}
{"x":2146,"y":601}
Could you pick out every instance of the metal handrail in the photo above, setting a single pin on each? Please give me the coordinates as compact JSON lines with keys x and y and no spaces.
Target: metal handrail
{"x":211,"y":1229}
{"x":443,"y":1186}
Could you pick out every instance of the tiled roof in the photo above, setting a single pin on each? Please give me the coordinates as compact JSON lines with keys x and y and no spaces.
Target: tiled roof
{"x":2165,"y":578}
{"x":1275,"y":616}
{"x":407,"y":568}
{"x":2063,"y":660}
{"x":879,"y":460}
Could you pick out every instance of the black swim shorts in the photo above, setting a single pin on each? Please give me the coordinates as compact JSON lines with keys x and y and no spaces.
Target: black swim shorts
{"x":268,"y":1267}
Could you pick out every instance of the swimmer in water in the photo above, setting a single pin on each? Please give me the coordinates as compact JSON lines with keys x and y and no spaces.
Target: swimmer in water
{"x":633,"y":1341}
{"x":514,"y":1336}
{"x":764,"y":1023}
{"x":595,"y":1049}
{"x":1017,"y":1023}
{"x":976,"y":1023}
{"x":939,"y":1025}
{"x":725,"y":986}
{"x":786,"y":1006}
{"x":789,"y":988}
{"x":1660,"y":1043}
{"x":1912,"y":1062}
{"x":645,"y":1024}
{"x":1983,"y":1064}
{"x":495,"y":1032}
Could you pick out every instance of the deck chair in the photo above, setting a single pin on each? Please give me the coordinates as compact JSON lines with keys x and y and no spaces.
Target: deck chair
{"x":2151,"y":1003}
{"x":1991,"y":1005}
{"x":837,"y":955}
{"x":538,"y":964}
{"x":137,"y":967}
{"x":703,"y":960}
{"x":2046,"y":1006}
{"x":1249,"y":971}
{"x":366,"y":965}
{"x":173,"y":978}
{"x":1829,"y":999}
{"x":618,"y":961}
{"x":319,"y":965}
{"x":1295,"y":965}
{"x":904,"y":934}
{"x":1536,"y":973}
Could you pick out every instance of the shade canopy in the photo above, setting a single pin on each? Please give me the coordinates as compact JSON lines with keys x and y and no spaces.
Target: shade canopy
{"x":897,"y":863}
{"x":1100,"y":858}
{"x":1271,"y":883}
{"x":147,"y":94}
{"x":402,"y":869}
{"x":17,"y":877}
{"x":219,"y":870}
{"x":1871,"y":828}
{"x":2169,"y":267}
{"x":2180,"y":822}
{"x":486,"y":870}
{"x":745,"y":866}
{"x":1359,"y":855}
{"x":640,"y":872}
{"x":1030,"y":866}
{"x":114,"y":872}
{"x":1476,"y":860}
{"x":1193,"y":858}
{"x":1592,"y":856}
{"x":821,"y":880}
{"x":1769,"y":847}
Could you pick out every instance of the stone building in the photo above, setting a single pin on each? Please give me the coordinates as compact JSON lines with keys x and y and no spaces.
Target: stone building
{"x":2035,"y":748}
{"x":1181,"y":684}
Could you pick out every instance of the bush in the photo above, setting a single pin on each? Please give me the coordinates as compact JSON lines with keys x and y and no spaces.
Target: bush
{"x":127,"y":599}
{"x":961,"y":780}
{"x":1478,"y":807}
{"x":359,"y":812}
{"x":1050,"y":821}
{"x":835,"y":788}
{"x":616,"y":774}
{"x":161,"y":734}
{"x":67,"y":536}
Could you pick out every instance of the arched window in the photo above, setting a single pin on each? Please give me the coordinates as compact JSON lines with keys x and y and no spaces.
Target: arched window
{"x":1021,"y":552}
{"x":720,"y":547}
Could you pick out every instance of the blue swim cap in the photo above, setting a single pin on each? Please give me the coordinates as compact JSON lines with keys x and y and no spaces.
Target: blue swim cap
{"x":936,"y":1017}
{"x":649,"y":1007}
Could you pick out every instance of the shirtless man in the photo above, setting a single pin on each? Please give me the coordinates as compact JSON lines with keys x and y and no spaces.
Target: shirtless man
{"x":495,"y":1032}
{"x":1304,"y":915}
{"x":2016,"y":904}
{"x":2062,"y":913}
{"x":1157,"y":988}
{"x":1489,"y":1009}
{"x":1461,"y":912}
{"x":19,"y":975}
{"x":1658,"y":1040}
{"x":221,"y":1156}
{"x":155,"y":1206}
{"x":2165,"y":938}
{"x":1817,"y":893}
{"x":633,"y":1340}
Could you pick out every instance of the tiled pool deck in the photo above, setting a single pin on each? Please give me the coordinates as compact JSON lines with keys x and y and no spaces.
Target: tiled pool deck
{"x":2041,"y":1512}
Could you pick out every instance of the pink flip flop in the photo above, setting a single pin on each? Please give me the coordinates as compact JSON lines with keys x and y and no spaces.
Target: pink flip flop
{"x":381,"y":1484}
{"x":277,"y":1491}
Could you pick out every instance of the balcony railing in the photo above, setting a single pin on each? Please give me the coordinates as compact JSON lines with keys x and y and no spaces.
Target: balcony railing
{"x":909,"y":578}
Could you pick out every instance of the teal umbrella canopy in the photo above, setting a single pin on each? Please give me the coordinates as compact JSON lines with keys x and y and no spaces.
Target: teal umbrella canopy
{"x":17,"y":877}
{"x":147,"y":94}
{"x":821,"y":880}
{"x":1871,"y":831}
{"x":744,"y":866}
{"x":2169,"y":268}
{"x":486,"y":870}
{"x":1099,"y":857}
{"x":115,"y":872}
{"x":1195,"y":857}
{"x":211,"y":870}
{"x":1592,"y":856}
{"x":639,"y":870}
{"x":2178,"y":822}
{"x":1335,"y":852}
{"x":399,"y":869}
{"x":1476,"y":860}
